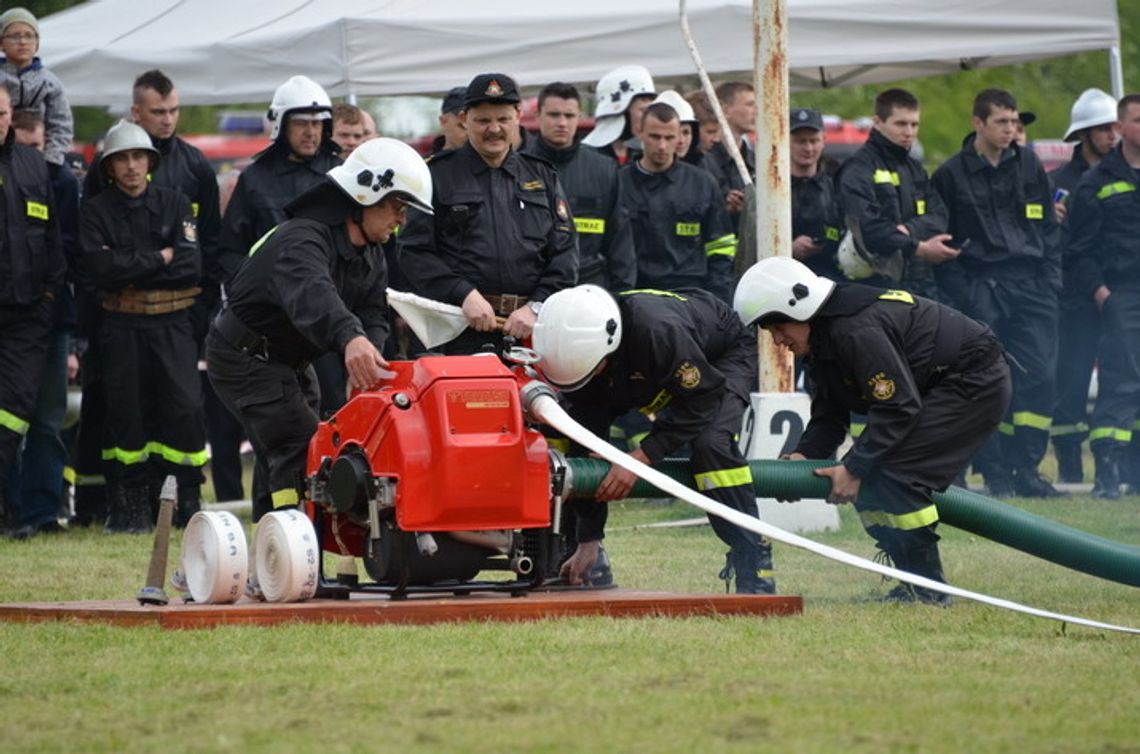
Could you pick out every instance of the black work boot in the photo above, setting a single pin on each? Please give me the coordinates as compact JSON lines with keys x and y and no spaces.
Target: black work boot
{"x":998,"y":483}
{"x":128,"y":509}
{"x":922,"y":561}
{"x":1106,"y":482}
{"x":1027,"y":482}
{"x":1070,"y":468}
{"x":189,"y":503}
{"x":752,"y":569}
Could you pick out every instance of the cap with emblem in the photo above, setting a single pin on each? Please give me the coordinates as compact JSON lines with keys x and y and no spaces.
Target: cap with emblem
{"x":497,"y":88}
{"x":805,"y":117}
{"x":453,"y":100}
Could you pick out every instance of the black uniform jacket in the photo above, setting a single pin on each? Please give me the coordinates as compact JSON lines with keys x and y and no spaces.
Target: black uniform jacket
{"x":31,"y":257}
{"x":308,"y":291}
{"x":1006,"y":212}
{"x":719,"y":163}
{"x":1104,"y":226}
{"x":681,"y":231}
{"x":1067,"y":177}
{"x":605,"y":239}
{"x":504,"y":230}
{"x":681,"y":350}
{"x":121,"y":238}
{"x":259,"y":199}
{"x":878,"y":353}
{"x":815,"y":214}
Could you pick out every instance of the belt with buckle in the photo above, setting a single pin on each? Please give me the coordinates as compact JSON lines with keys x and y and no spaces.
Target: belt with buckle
{"x":504,"y":304}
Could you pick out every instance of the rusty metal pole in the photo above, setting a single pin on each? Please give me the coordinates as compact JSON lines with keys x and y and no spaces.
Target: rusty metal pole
{"x":773,"y":175}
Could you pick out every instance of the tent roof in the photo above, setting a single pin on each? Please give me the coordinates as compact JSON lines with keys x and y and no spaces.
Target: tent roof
{"x":224,"y":51}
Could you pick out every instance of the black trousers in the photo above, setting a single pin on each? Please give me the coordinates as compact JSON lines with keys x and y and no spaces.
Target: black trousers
{"x":90,"y":471}
{"x":1118,"y":379}
{"x":24,"y":337}
{"x":1078,"y":335}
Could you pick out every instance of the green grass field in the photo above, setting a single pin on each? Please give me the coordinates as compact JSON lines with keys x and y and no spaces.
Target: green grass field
{"x":849,"y":675}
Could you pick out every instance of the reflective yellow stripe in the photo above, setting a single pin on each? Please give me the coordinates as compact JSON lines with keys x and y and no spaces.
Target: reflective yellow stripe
{"x":712,"y":480}
{"x":1110,"y":433}
{"x":14,"y":423}
{"x":1063,"y":430}
{"x":893,"y":295}
{"x":660,"y":401}
{"x":37,"y":210}
{"x":561,"y":444}
{"x":886,"y":176}
{"x":253,"y":249}
{"x":652,"y":292}
{"x":281,"y":498}
{"x":589,"y":225}
{"x":131,"y":457}
{"x":905,"y":521}
{"x":69,"y":475}
{"x":90,"y":480}
{"x":920,"y":206}
{"x":1112,"y":189}
{"x":1005,"y":428}
{"x":688,"y":229}
{"x":857,"y":428}
{"x":725,"y":245}
{"x":1034,"y":212}
{"x":830,"y":233}
{"x":194,"y":208}
{"x":636,"y":440}
{"x":1030,"y":419}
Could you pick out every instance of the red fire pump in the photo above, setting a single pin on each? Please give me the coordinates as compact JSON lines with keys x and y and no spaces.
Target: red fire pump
{"x":434,"y":477}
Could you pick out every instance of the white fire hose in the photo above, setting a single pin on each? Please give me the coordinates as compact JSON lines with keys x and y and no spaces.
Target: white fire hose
{"x":540,"y":403}
{"x":214,"y":558}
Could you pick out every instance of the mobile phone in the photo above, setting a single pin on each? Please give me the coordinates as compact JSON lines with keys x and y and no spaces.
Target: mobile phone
{"x":1060,"y":196}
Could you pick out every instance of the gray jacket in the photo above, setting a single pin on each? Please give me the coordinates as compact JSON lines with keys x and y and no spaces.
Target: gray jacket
{"x":37,"y":88}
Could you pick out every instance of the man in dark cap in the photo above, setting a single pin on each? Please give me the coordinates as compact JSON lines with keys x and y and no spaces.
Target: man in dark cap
{"x":502,"y":238}
{"x":453,"y":133}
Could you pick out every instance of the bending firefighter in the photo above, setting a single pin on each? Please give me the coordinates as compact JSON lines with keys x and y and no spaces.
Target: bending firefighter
{"x":932,"y":382}
{"x":683,"y":356}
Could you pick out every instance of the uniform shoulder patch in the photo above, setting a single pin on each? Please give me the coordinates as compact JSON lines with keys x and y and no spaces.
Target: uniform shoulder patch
{"x":882,"y":387}
{"x":533,"y":185}
{"x":688,"y":375}
{"x":563,"y":210}
{"x":190,"y":231}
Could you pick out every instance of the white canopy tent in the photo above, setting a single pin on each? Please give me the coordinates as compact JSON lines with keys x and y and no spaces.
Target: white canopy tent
{"x":224,"y":51}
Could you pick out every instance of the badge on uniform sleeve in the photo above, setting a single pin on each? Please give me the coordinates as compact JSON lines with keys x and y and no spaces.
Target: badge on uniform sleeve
{"x":882,"y":387}
{"x":689,"y":376}
{"x":190,"y":231}
{"x":562,"y":210}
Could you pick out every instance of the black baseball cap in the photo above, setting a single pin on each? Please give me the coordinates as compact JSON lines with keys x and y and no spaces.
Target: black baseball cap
{"x":805,"y":117}
{"x":491,"y":87}
{"x":1027,"y":118}
{"x":453,"y":100}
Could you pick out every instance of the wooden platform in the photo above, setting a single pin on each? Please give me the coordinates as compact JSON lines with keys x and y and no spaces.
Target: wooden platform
{"x":369,"y":609}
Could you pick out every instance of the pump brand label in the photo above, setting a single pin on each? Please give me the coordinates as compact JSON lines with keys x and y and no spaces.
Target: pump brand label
{"x":480,"y":398}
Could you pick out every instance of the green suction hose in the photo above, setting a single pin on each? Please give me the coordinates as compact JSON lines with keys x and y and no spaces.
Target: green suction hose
{"x":957,"y":507}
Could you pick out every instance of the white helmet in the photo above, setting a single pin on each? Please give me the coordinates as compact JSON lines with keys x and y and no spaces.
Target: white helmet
{"x":125,"y":136}
{"x":851,"y":262}
{"x":576,"y":329}
{"x":679,"y":104}
{"x":1093,"y":108}
{"x":383,"y":166}
{"x":615,"y":91}
{"x":779,"y":289}
{"x":298,"y":95}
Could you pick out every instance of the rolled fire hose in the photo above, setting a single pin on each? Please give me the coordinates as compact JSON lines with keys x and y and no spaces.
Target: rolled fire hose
{"x":977,"y":514}
{"x":287,"y":556}
{"x":541,"y":405}
{"x":214,"y":557}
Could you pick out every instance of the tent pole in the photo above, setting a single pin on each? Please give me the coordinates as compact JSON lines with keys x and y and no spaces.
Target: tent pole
{"x":1116,"y":71}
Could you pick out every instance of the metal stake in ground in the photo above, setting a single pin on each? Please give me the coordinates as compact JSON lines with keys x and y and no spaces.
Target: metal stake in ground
{"x":153,"y":593}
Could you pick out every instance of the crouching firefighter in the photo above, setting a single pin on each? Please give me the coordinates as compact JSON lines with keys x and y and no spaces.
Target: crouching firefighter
{"x":140,"y":252}
{"x":683,"y":356}
{"x":932,"y":383}
{"x":312,"y":285}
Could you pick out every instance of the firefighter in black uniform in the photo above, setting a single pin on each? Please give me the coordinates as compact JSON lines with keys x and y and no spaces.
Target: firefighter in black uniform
{"x":683,"y":355}
{"x":501,"y":239}
{"x":32,"y":271}
{"x":313,"y":285}
{"x":1103,"y":260}
{"x":896,"y":219}
{"x":815,"y":207}
{"x":605,"y":240}
{"x":681,"y":231}
{"x":1093,"y":126}
{"x":140,"y":252}
{"x":1008,"y":276}
{"x":931,"y":381}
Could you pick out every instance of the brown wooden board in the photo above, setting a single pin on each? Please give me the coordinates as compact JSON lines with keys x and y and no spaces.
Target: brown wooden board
{"x":370,"y":609}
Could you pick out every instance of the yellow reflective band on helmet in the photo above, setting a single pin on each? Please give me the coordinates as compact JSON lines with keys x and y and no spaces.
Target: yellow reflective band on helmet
{"x":660,"y":401}
{"x":886,"y":176}
{"x":652,"y":292}
{"x":725,"y":245}
{"x":1110,"y":433}
{"x":37,"y":210}
{"x":13,"y":422}
{"x":1005,"y":428}
{"x":713,"y":480}
{"x":830,"y":233}
{"x":90,"y":480}
{"x":900,"y":296}
{"x":1063,"y":430}
{"x":1112,"y":189}
{"x":179,"y":457}
{"x":904,"y":521}
{"x":253,"y":249}
{"x":589,"y":225}
{"x":1034,"y":212}
{"x":688,"y":229}
{"x":194,"y":208}
{"x":1030,"y":419}
{"x":857,"y":428}
{"x":920,"y":206}
{"x":281,"y":498}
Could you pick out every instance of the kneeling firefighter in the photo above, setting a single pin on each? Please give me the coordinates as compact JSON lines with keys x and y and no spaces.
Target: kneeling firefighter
{"x":683,"y":356}
{"x":313,"y":284}
{"x":932,"y":383}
